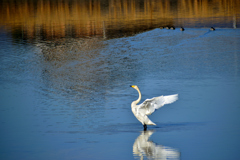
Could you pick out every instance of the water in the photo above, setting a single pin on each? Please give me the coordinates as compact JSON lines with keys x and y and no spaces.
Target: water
{"x":69,"y":97}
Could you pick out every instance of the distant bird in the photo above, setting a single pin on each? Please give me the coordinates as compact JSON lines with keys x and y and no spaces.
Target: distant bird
{"x":182,"y":29}
{"x":146,"y":108}
{"x":212,"y":29}
{"x":167,"y":27}
{"x":161,"y":27}
{"x":172,"y":28}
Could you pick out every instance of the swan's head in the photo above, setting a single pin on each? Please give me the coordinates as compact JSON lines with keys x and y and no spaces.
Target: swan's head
{"x":135,"y":87}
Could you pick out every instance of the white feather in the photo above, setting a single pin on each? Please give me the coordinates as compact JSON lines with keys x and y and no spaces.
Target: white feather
{"x":150,"y":105}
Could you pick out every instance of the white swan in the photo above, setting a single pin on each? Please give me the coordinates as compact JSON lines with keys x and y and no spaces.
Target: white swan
{"x":146,"y":108}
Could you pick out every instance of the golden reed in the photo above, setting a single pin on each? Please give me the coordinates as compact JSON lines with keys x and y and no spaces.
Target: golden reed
{"x":61,"y":18}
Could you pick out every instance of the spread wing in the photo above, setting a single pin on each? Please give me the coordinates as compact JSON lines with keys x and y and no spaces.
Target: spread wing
{"x":150,"y":105}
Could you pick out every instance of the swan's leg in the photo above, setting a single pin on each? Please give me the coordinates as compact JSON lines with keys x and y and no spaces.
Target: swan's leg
{"x":145,"y":127}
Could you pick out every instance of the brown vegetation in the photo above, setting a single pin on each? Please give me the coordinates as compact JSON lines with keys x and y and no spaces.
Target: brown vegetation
{"x":61,"y":18}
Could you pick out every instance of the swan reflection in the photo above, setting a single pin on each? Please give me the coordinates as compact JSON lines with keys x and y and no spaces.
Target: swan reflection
{"x":142,"y":148}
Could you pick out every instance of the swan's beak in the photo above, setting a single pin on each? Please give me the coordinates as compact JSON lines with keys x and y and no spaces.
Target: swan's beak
{"x":131,"y":86}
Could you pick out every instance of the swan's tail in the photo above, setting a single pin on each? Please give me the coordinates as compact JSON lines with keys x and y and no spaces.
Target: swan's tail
{"x":147,"y":121}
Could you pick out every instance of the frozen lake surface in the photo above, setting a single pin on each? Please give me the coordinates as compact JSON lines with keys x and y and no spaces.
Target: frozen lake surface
{"x":76,"y":105}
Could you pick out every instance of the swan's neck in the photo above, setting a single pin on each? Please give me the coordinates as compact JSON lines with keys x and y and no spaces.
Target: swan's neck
{"x":139,"y":98}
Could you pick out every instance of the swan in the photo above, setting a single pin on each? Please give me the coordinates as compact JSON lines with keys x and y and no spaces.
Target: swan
{"x":146,"y":108}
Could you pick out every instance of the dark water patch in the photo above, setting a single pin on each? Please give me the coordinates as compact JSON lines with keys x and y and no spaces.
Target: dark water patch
{"x":136,"y":127}
{"x":168,"y":127}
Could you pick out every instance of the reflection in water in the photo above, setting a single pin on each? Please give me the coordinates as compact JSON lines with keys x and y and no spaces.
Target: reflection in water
{"x":75,"y":66}
{"x":142,"y":147}
{"x":44,"y":19}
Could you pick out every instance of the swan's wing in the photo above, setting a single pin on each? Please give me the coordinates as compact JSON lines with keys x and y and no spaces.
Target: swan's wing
{"x":150,"y":105}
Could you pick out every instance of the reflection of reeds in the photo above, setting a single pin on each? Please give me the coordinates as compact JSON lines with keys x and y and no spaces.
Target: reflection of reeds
{"x":66,"y":49}
{"x":91,"y":17}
